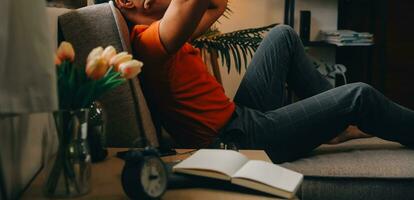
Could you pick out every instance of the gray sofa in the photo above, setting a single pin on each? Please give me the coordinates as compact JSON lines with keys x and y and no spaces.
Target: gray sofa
{"x":360,"y":169}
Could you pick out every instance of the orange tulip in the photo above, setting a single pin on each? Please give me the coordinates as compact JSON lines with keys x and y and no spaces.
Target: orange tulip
{"x":130,"y":68}
{"x":108,"y":53}
{"x":66,"y":51}
{"x":94,"y":54}
{"x":97,"y":68}
{"x":57,"y":60}
{"x":118,"y":59}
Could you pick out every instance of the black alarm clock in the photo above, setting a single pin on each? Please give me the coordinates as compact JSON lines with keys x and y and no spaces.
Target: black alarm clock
{"x":144,"y":175}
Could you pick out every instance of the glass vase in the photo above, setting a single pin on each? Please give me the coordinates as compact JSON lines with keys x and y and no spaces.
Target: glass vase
{"x":69,"y":172}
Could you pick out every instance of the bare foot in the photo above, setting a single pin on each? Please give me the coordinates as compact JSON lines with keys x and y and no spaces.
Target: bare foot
{"x":352,"y":132}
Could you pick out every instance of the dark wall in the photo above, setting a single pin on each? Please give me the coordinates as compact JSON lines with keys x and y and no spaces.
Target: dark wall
{"x":399,"y":51}
{"x":389,"y":65}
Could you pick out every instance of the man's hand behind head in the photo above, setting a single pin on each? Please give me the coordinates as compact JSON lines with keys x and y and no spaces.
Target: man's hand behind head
{"x":180,"y":21}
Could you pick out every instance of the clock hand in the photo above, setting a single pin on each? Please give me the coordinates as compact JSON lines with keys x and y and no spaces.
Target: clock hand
{"x":153,"y":177}
{"x":153,"y":174}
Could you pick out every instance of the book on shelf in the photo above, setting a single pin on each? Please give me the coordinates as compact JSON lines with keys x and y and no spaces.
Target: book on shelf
{"x":339,"y":39}
{"x":348,"y":38}
{"x":346,"y":33}
{"x":341,"y":44}
{"x":238,"y":169}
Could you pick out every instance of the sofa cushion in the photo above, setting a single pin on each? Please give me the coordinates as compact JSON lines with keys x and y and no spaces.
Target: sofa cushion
{"x":359,"y":169}
{"x":128,"y":120}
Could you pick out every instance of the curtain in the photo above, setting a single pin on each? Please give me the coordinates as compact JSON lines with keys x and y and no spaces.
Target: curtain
{"x":27,"y":74}
{"x":27,"y":93}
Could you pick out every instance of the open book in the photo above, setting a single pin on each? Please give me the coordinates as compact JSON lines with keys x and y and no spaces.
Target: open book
{"x":237,"y":168}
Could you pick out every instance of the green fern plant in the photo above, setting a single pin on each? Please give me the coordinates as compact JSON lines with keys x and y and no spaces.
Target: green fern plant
{"x":237,"y":46}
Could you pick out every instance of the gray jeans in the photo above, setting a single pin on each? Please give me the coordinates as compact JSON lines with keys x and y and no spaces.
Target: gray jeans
{"x":287,"y":132}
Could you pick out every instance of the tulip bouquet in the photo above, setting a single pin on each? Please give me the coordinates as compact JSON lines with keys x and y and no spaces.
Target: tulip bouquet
{"x":78,"y":86}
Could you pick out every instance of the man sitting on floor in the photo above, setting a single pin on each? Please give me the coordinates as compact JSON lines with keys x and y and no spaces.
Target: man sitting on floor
{"x":196,"y":112}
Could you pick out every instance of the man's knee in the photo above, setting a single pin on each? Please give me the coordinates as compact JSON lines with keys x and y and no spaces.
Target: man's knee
{"x":282,"y":31}
{"x":361,"y":88}
{"x":285,"y":29}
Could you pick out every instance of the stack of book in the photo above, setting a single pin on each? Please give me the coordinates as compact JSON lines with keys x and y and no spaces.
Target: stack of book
{"x":348,"y":38}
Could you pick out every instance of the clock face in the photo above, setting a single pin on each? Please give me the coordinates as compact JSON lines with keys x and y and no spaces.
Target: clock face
{"x":153,"y":177}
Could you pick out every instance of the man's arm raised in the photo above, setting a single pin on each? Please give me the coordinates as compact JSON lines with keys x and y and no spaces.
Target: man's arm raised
{"x":180,"y":21}
{"x":214,"y":12}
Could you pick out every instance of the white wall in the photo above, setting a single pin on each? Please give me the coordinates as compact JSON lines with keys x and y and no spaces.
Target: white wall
{"x":255,"y":13}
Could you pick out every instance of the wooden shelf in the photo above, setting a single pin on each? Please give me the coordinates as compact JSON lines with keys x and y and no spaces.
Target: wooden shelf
{"x":358,"y":59}
{"x":318,"y":44}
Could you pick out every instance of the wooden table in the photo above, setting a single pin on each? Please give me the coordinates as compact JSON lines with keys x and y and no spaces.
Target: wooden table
{"x":106,"y":182}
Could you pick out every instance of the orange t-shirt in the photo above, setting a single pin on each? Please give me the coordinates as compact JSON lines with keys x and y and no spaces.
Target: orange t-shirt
{"x":191,"y":103}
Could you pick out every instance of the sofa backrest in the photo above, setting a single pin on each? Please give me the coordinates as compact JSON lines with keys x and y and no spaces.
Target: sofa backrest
{"x":128,"y":119}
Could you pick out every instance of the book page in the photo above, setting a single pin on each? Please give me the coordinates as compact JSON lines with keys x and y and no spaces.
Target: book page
{"x":270,"y":175}
{"x":223,"y":161}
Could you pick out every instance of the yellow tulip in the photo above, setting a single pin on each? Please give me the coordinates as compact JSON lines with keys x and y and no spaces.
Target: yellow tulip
{"x":66,"y":51}
{"x":108,"y":53}
{"x":130,"y":68}
{"x":94,"y":54}
{"x":97,"y":68}
{"x":118,"y":59}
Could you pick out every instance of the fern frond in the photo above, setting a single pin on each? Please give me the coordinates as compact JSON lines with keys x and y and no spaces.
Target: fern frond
{"x":235,"y":46}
